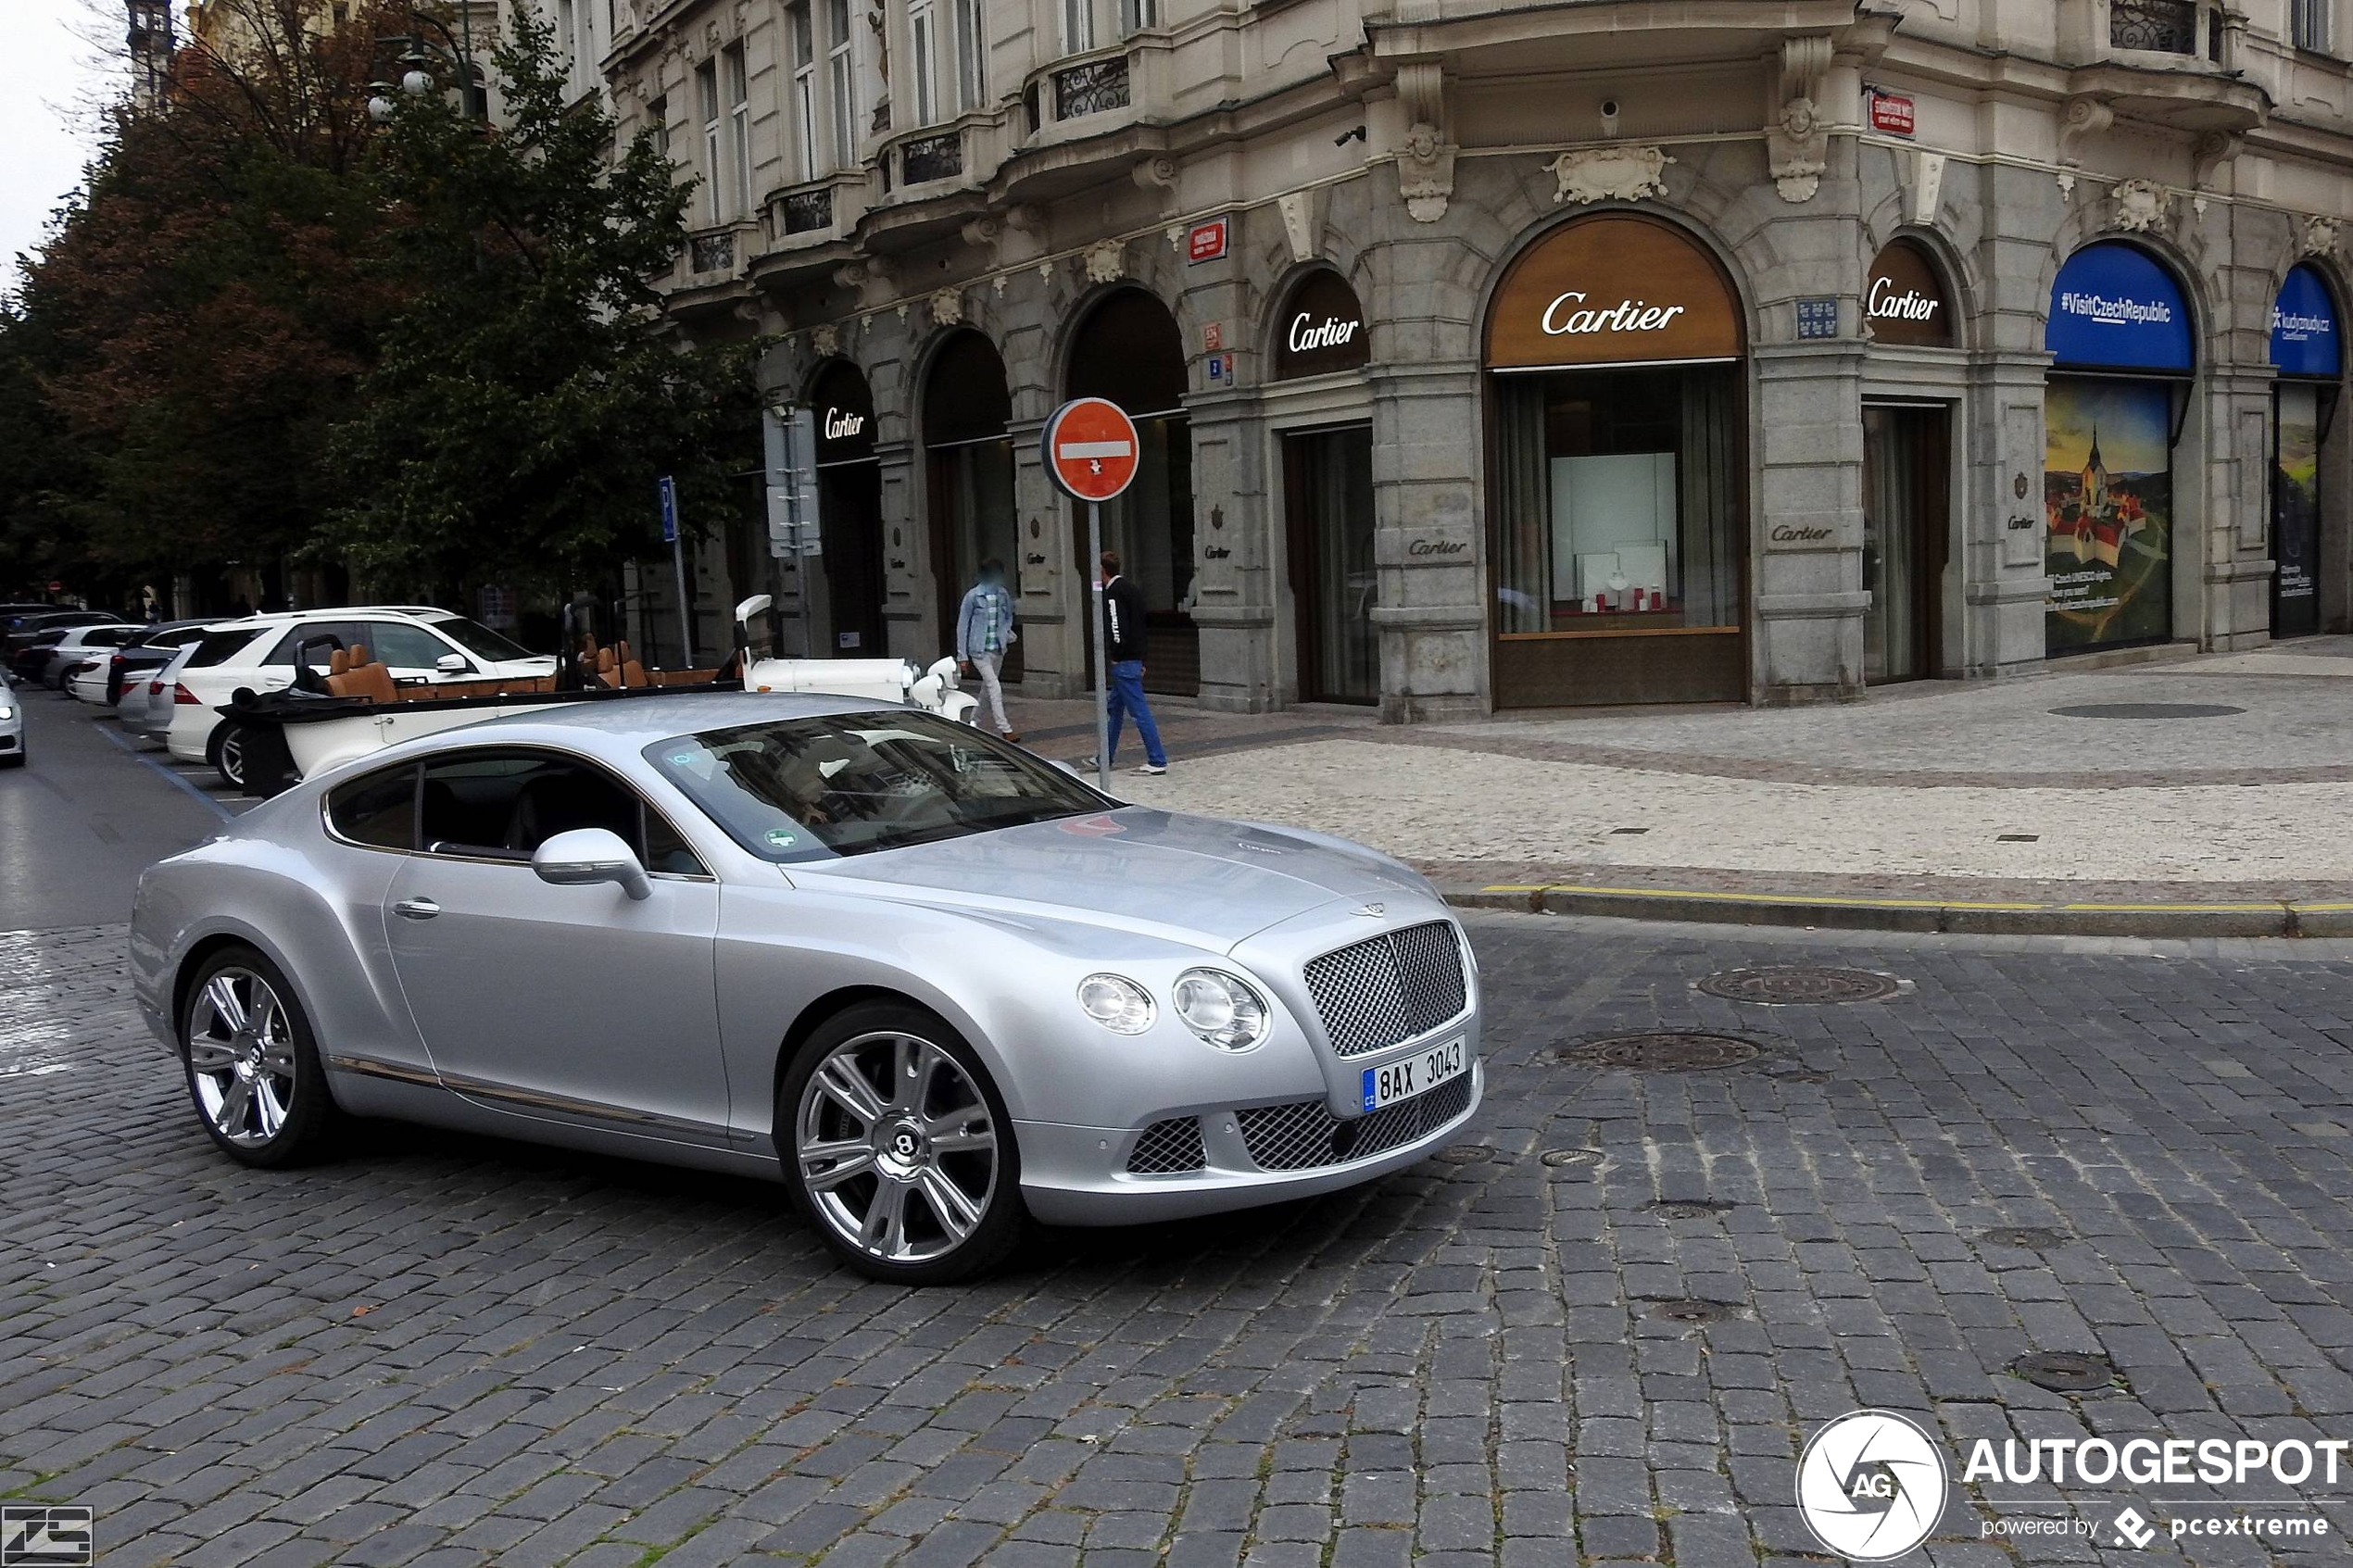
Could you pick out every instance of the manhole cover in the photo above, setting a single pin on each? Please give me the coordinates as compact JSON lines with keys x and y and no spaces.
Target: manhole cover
{"x":2148,"y":710}
{"x":1557,"y":1158}
{"x":1688,"y":1208}
{"x":2063,"y":1371}
{"x":2035,"y":1238}
{"x":1798,"y":985}
{"x":1465,"y":1154}
{"x":1691,"y":1311}
{"x":1663,"y":1050}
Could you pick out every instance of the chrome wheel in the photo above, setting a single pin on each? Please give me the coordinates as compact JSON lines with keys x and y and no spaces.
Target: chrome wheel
{"x":895,"y":1147}
{"x":241,"y":1057}
{"x":228,"y":761}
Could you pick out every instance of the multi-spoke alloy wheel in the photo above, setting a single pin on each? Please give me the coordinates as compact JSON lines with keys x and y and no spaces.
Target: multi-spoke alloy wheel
{"x":895,"y":1147}
{"x":253,"y":1071}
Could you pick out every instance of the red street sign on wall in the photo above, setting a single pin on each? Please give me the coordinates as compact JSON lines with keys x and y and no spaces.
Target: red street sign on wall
{"x":1891,"y":112}
{"x":1205,"y":242}
{"x":1090,"y":449}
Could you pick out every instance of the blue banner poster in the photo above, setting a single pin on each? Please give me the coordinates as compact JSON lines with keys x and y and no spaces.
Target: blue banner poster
{"x":2108,"y":493}
{"x":2295,"y":512}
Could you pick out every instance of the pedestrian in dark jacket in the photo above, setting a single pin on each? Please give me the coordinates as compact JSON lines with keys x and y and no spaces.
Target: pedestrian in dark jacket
{"x":1123,"y":637}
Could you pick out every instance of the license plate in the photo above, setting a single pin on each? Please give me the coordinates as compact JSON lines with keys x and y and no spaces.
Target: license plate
{"x":1414,"y":1074}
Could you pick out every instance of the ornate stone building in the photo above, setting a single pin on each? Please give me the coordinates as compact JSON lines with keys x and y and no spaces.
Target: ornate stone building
{"x":1492,"y":355}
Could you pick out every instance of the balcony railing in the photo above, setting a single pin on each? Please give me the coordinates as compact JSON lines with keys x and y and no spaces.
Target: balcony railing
{"x":808,"y":212}
{"x":1091,"y":87}
{"x":937,"y":156}
{"x":2189,"y":28}
{"x":712,"y":252}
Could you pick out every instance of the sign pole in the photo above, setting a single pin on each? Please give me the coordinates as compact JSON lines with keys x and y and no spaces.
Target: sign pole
{"x":1102,"y":651}
{"x":686,"y":618}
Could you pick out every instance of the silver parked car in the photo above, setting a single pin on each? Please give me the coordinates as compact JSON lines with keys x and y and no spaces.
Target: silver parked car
{"x":933,"y":984}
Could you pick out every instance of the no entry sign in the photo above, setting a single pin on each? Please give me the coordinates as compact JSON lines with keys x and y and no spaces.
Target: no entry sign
{"x":1090,"y":448}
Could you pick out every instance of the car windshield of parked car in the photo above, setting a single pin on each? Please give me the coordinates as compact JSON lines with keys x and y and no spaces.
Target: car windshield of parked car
{"x":811,"y":789}
{"x":479,"y":640}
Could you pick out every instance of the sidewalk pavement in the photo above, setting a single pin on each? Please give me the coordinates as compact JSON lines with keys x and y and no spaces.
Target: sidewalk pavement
{"x":2206,"y":796}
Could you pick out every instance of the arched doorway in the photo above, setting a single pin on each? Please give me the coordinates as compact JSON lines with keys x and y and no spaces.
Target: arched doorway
{"x":1908,"y":465}
{"x":1617,"y":488}
{"x":969,"y":476}
{"x":2307,"y":354}
{"x":850,"y":506}
{"x":2123,"y":354}
{"x":1128,"y":350}
{"x":1319,"y":335}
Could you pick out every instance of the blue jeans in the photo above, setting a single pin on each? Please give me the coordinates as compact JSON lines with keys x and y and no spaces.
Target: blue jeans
{"x":1127,"y":695}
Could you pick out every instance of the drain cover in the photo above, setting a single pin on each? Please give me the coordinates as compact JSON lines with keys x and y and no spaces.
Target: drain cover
{"x":2035,"y":1238}
{"x":1688,"y":1208}
{"x":1798,"y":985}
{"x":1663,"y":1050}
{"x":2148,"y":710}
{"x":1463,"y":1154}
{"x":2063,"y":1371}
{"x":1687,"y":1311}
{"x":1560,"y":1157}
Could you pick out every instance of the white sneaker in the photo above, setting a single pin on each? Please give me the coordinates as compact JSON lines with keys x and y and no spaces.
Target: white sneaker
{"x":1154,"y":768}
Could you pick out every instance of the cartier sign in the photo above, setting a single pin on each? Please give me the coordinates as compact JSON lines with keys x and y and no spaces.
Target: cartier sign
{"x":1904,"y":299}
{"x":845,"y":410}
{"x":1613,"y":289}
{"x":1321,"y":329}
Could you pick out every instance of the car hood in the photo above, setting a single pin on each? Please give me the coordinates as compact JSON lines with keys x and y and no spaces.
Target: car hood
{"x":1138,"y":867}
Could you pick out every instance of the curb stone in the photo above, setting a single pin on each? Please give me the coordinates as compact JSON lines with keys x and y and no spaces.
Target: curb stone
{"x":1917,"y":915}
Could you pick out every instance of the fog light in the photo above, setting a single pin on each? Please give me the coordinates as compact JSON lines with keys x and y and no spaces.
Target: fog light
{"x":1224,"y":1009}
{"x":1116,"y":1002}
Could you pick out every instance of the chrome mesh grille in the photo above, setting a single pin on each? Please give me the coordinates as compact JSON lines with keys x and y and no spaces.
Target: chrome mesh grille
{"x":1303,"y":1135}
{"x":1167,"y":1148}
{"x":1373,"y":993}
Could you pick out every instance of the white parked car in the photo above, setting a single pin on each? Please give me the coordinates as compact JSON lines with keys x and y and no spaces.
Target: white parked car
{"x":81,"y":647}
{"x":119,"y":682}
{"x":155,"y":720}
{"x":11,"y":726}
{"x":416,"y":643}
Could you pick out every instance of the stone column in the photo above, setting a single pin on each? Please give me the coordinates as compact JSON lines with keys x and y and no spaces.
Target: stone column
{"x":1430,"y":544}
{"x":1809,"y":595}
{"x":2005,"y":589}
{"x":1233,"y":576}
{"x":2235,"y":485}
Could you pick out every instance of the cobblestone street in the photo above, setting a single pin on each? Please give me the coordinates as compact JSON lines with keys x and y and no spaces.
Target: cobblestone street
{"x":438,"y":1349}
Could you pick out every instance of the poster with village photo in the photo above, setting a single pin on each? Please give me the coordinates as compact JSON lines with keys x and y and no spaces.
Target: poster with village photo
{"x":2107,"y":494}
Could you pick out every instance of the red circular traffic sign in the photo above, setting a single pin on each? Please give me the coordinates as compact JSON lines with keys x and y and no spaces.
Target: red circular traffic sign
{"x":1090,"y":448}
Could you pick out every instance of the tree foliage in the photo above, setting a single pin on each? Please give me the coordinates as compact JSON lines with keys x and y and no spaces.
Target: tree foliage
{"x":527,"y":393}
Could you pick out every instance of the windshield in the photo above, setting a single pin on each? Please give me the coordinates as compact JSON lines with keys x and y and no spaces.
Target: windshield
{"x":811,"y":789}
{"x":479,"y":640}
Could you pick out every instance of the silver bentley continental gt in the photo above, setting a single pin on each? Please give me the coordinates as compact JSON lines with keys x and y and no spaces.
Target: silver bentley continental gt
{"x":937,"y":986}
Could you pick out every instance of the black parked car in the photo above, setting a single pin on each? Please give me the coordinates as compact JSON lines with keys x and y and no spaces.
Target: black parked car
{"x":24,"y":628}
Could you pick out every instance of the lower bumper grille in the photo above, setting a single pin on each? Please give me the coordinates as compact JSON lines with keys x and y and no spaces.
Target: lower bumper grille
{"x":1168,"y":1147}
{"x":1303,"y":1135}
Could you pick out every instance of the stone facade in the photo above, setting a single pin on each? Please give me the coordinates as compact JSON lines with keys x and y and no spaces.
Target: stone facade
{"x":1417,"y":152}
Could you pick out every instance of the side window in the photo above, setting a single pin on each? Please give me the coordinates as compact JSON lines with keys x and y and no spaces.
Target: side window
{"x":301,"y":633}
{"x":506,"y":805}
{"x":380,"y":809}
{"x":665,"y":851}
{"x":402,"y":646}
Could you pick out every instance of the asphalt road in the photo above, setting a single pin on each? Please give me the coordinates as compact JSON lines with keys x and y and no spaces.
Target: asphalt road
{"x":90,"y":808}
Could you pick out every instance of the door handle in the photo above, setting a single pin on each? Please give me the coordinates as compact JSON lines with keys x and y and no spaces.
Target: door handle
{"x":416,"y":909}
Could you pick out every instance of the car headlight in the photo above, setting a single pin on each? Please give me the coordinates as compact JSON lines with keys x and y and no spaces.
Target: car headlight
{"x":7,"y":713}
{"x":1116,"y":1002}
{"x":1224,"y":1009}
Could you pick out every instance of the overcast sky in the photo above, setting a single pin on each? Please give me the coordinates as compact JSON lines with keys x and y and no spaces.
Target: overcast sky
{"x":56,"y":70}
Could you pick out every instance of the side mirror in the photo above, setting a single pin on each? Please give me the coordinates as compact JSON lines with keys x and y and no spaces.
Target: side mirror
{"x":753,"y":606}
{"x":585,"y":857}
{"x":452,"y":664}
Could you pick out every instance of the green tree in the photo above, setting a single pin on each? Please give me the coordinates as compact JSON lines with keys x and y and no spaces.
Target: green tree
{"x":528,"y":393}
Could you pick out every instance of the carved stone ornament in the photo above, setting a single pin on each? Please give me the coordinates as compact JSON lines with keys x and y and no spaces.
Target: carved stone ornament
{"x":982,"y":233}
{"x":2083,"y":117}
{"x":1106,"y":262}
{"x":2213,"y":150}
{"x":1426,"y":161}
{"x":1797,"y":144}
{"x":2142,"y":205}
{"x":948,"y":308}
{"x":869,"y":279}
{"x":1299,"y":223}
{"x":825,"y":341}
{"x":1157,"y":172}
{"x":1594,"y":174}
{"x":2321,"y":236}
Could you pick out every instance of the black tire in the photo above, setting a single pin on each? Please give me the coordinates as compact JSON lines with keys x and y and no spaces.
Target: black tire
{"x":226,"y":753}
{"x":1003,"y":1218}
{"x":306,"y":1108}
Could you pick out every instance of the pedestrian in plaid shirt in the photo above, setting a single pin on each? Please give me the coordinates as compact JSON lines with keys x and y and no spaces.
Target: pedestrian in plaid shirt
{"x":984,"y":630}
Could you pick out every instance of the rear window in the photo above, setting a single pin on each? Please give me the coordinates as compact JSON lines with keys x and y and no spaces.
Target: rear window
{"x":219,"y":647}
{"x":379,"y":810}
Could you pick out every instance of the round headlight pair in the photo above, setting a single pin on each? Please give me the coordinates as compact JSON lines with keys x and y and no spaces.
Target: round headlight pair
{"x":1224,"y":1009}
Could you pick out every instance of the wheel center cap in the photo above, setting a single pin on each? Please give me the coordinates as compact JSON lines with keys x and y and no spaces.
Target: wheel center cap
{"x":903,"y":1149}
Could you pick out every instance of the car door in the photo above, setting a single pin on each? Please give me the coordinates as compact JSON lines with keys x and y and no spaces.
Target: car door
{"x":577,"y":1005}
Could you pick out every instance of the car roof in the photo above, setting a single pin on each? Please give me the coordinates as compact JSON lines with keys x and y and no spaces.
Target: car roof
{"x":628,"y":723}
{"x":330,"y":612}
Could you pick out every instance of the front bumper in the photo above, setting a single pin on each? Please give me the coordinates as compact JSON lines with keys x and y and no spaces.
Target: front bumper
{"x":1249,"y":1156}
